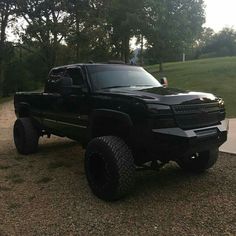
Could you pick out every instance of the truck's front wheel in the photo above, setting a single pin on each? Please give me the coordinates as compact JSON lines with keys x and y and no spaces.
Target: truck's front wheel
{"x":199,"y":162}
{"x":109,"y":167}
{"x":26,"y":136}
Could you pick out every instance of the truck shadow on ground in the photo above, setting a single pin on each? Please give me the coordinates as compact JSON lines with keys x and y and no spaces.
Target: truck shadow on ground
{"x":170,"y":179}
{"x":57,"y":146}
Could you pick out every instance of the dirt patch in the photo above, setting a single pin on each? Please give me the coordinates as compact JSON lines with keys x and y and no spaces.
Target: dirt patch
{"x":47,"y":194}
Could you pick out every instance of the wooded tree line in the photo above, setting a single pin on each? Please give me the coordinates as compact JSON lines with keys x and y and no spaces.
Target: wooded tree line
{"x":219,"y":44}
{"x":55,"y":32}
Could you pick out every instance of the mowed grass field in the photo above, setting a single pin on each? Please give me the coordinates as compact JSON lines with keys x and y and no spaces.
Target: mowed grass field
{"x":217,"y":76}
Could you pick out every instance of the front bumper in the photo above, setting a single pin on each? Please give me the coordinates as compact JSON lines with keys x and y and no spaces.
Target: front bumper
{"x":172,"y":143}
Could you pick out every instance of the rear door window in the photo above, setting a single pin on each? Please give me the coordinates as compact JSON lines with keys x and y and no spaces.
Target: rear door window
{"x":77,"y":76}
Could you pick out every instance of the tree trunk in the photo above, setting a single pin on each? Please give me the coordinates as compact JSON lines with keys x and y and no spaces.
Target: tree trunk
{"x":1,"y":79}
{"x":141,"y":52}
{"x":77,"y":52}
{"x":48,"y":56}
{"x":126,"y":49}
{"x":1,"y":67}
{"x":2,"y":49}
{"x":122,"y":54}
{"x":77,"y":37}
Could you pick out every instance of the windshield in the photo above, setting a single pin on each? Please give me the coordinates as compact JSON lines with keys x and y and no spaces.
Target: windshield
{"x":118,"y":76}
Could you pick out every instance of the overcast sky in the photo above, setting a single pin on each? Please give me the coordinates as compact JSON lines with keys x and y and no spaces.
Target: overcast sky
{"x":220,"y":13}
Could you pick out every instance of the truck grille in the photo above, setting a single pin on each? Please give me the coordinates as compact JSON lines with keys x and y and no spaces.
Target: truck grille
{"x":197,"y":115}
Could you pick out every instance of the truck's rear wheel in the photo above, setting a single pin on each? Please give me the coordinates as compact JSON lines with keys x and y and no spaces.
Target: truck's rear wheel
{"x":109,"y":167}
{"x":26,"y":136}
{"x":199,"y":162}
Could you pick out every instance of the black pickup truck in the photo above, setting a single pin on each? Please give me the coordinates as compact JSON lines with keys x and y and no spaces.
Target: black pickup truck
{"x":125,"y":119}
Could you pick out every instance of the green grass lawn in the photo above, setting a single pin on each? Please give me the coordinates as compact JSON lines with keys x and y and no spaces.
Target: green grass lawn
{"x":217,"y":76}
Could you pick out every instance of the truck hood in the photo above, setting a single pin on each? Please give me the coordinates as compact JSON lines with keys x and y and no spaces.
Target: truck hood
{"x":161,"y":95}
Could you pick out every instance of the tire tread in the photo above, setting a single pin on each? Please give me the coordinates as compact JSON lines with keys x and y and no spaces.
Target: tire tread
{"x":124,"y":163}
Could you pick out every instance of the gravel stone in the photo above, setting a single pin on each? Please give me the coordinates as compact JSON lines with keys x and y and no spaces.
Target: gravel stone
{"x":58,"y":201}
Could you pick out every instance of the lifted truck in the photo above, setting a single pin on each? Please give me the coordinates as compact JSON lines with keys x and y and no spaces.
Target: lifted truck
{"x":125,"y":119}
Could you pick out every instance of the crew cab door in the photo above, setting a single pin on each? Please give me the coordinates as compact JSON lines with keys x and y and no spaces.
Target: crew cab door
{"x":50,"y":101}
{"x":73,"y":104}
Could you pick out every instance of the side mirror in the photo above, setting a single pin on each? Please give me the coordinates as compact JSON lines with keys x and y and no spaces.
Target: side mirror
{"x":59,"y":84}
{"x":164,"y":82}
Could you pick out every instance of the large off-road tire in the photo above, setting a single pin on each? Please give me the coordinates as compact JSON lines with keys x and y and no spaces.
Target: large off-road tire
{"x":199,"y":162}
{"x":26,"y":136}
{"x":109,"y":168}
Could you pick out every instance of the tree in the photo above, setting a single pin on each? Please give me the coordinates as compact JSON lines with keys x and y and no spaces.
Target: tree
{"x":220,"y":44}
{"x":79,"y":13}
{"x":196,"y":50}
{"x":125,"y":19}
{"x":89,"y":34}
{"x":47,"y":25}
{"x":206,"y":36}
{"x":173,"y":26}
{"x":7,"y":11}
{"x":68,"y":31}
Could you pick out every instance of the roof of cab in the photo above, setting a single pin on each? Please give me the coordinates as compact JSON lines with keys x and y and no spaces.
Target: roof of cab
{"x":90,"y":64}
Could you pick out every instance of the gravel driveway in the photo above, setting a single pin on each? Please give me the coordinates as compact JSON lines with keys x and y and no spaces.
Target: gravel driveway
{"x":47,"y":194}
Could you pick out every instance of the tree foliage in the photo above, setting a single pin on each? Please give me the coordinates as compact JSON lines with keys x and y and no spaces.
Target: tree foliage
{"x":67,"y":31}
{"x":173,"y":27}
{"x":47,"y":25}
{"x":220,"y":44}
{"x":7,"y":13}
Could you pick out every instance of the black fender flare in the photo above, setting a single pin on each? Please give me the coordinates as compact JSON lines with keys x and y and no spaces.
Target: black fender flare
{"x":98,"y":114}
{"x":22,"y":107}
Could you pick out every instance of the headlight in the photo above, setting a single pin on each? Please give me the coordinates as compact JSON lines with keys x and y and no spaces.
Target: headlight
{"x":156,"y":109}
{"x":160,"y":116}
{"x":221,"y":103}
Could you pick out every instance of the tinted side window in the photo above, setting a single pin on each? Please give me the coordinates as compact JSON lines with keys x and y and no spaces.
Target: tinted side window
{"x":57,"y":72}
{"x":52,"y":84}
{"x":76,"y":75}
